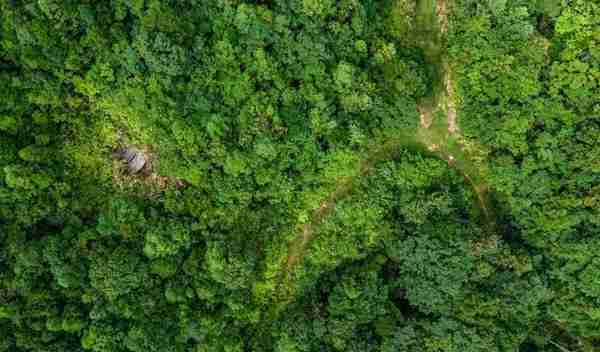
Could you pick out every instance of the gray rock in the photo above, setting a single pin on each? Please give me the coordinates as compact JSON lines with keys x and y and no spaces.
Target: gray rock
{"x":135,"y":159}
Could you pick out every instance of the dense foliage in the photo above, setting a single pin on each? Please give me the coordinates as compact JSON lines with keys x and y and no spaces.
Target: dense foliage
{"x":253,"y":115}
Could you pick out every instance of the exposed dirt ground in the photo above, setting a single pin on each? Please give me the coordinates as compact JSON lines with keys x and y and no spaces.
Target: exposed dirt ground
{"x":442,"y":15}
{"x":450,"y":102}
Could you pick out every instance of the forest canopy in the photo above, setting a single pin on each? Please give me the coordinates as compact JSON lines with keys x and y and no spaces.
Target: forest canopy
{"x":299,"y":175}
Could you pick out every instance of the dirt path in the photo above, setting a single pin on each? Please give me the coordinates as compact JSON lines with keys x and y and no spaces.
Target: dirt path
{"x":434,"y":141}
{"x":441,"y":11}
{"x":444,"y":100}
{"x":446,"y":103}
{"x":450,"y":102}
{"x":298,"y":246}
{"x":425,"y":116}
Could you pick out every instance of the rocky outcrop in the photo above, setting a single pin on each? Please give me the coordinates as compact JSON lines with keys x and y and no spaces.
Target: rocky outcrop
{"x":134,"y":158}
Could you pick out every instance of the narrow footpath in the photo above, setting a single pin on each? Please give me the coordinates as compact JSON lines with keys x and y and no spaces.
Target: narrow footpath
{"x":445,"y":143}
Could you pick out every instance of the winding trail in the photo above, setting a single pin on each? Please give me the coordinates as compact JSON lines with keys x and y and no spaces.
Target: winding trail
{"x":429,"y":139}
{"x":297,"y":247}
